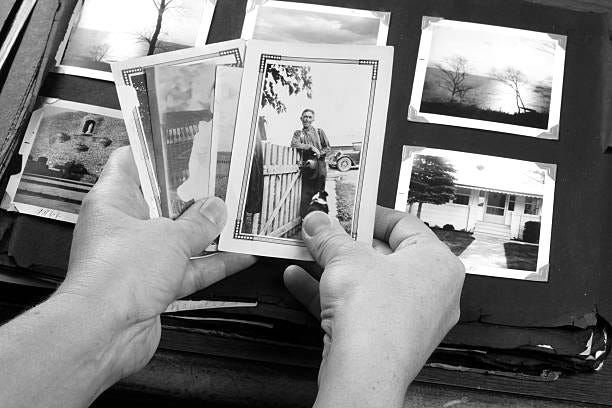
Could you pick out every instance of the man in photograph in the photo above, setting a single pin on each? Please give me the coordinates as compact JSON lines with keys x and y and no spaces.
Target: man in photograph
{"x":314,"y":147}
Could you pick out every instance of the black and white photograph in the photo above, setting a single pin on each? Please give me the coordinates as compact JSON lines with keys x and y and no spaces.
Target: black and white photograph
{"x":494,"y":213}
{"x":181,"y":100}
{"x":105,"y":31}
{"x":64,"y":151}
{"x":131,"y":82}
{"x":308,"y":118}
{"x":227,"y":94}
{"x":489,"y":77}
{"x":311,"y":23}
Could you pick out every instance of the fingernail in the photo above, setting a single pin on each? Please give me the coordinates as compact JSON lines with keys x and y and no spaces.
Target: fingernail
{"x":214,"y":209}
{"x":315,"y":222}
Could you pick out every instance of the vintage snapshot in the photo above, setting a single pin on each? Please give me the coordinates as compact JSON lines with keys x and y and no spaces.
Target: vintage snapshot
{"x":65,"y":147}
{"x":309,"y":135}
{"x":186,"y":149}
{"x":181,"y":100}
{"x":131,"y":82}
{"x":227,"y":93}
{"x":488,"y":77}
{"x":105,"y":31}
{"x":310,"y":23}
{"x":494,"y":213}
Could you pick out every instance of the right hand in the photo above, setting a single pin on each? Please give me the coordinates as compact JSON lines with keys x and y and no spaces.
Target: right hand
{"x":315,"y":151}
{"x":383,"y":309}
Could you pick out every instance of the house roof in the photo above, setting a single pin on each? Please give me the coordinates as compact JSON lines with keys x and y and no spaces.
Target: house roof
{"x":495,"y":173}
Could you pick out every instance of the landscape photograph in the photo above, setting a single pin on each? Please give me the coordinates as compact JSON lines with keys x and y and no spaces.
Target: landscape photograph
{"x":106,"y":31}
{"x":310,"y":23}
{"x":71,"y":144}
{"x":489,"y":74}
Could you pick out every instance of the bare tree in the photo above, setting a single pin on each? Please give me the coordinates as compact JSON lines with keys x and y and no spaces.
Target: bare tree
{"x":513,"y":78}
{"x":152,"y":38}
{"x":99,"y":52}
{"x":454,"y":77}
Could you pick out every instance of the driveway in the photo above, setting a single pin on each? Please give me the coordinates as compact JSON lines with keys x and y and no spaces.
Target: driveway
{"x":490,"y":252}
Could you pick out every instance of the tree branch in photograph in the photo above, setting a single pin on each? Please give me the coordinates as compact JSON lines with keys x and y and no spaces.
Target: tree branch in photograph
{"x":513,"y":78}
{"x":432,"y":181}
{"x":152,"y":38}
{"x":454,"y":75}
{"x":99,"y":52}
{"x":294,"y":78}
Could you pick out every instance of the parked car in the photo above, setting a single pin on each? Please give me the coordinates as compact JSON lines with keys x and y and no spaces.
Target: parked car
{"x":345,"y":158}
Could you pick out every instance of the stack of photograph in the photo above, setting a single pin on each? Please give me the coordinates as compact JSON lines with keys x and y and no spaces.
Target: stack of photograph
{"x":297,"y":126}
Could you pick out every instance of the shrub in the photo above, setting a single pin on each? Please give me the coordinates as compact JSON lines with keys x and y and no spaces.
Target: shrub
{"x":531,"y":233}
{"x":81,"y":147}
{"x":105,"y":142}
{"x":448,"y":227}
{"x":73,"y":170}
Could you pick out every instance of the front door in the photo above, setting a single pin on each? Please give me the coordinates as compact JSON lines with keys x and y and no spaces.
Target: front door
{"x":495,"y":207}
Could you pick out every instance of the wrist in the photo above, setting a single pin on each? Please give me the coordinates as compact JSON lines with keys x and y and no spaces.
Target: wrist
{"x":92,"y":334}
{"x":65,"y":347}
{"x":363,"y":370}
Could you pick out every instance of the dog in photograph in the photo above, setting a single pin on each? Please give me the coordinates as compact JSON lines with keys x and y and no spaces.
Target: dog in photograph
{"x":318,"y":203}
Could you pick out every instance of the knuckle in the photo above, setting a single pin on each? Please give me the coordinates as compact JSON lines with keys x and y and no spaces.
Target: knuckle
{"x":333,"y":246}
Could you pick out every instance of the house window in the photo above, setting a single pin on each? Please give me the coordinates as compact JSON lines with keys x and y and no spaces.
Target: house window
{"x":532,"y":206}
{"x":462,"y":196}
{"x":511,"y":202}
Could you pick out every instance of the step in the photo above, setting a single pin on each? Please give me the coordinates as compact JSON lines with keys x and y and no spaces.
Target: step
{"x":492,"y":230}
{"x":480,"y":226}
{"x":504,"y":236}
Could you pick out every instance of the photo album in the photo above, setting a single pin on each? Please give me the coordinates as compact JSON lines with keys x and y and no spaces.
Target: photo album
{"x":293,"y":118}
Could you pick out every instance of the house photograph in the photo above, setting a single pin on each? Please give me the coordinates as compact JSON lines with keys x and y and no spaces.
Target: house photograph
{"x":493,"y":212}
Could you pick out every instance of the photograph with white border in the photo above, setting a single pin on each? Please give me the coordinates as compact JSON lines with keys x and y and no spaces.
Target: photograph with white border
{"x":101,"y":32}
{"x":494,"y":213}
{"x":488,"y":77}
{"x":227,"y":94}
{"x":130,"y":80}
{"x":272,"y":20}
{"x":64,"y":150}
{"x":181,"y":100}
{"x":301,"y":107}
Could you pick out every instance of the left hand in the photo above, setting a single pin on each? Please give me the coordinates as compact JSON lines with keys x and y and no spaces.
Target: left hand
{"x":132,"y":268}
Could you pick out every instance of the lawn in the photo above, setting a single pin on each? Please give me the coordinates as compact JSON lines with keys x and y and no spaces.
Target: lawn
{"x":457,"y":241}
{"x":490,"y":252}
{"x":521,"y":256}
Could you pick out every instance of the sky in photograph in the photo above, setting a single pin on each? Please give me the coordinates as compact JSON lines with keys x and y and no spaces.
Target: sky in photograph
{"x":123,"y":20}
{"x":280,"y":24}
{"x":184,"y":88}
{"x":486,"y":50}
{"x":340,"y":99}
{"x":493,"y":172}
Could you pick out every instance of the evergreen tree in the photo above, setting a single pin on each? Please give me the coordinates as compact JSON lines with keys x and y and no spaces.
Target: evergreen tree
{"x":432,"y":181}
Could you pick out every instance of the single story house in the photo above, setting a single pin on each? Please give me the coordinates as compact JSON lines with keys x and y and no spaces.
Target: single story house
{"x":489,"y":200}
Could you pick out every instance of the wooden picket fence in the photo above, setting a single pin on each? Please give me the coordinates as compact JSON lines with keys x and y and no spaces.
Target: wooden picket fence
{"x":282,"y":189}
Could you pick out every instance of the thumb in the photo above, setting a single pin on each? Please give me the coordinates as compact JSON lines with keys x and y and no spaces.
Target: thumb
{"x":201,"y":224}
{"x":326,"y":239}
